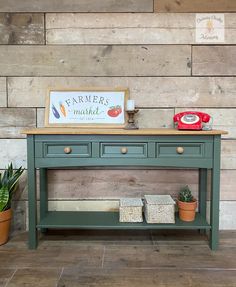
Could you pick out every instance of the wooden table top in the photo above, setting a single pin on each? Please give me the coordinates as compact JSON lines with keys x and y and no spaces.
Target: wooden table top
{"x":98,"y":131}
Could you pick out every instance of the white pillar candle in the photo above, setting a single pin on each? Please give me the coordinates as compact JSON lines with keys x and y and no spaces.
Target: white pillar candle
{"x":130,"y":105}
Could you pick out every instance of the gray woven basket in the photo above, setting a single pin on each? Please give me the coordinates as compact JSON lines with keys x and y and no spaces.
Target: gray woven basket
{"x":131,"y":210}
{"x":159,"y":209}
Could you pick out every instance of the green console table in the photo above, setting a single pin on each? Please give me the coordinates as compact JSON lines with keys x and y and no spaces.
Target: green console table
{"x":49,"y":148}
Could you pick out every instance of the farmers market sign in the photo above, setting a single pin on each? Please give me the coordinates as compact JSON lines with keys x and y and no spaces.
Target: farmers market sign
{"x":86,"y":107}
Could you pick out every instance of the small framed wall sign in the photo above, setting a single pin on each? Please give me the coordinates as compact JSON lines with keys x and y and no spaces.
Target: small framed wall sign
{"x":88,"y":107}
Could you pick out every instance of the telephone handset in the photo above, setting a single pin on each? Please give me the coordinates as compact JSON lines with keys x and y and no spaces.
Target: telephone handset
{"x":191,"y":120}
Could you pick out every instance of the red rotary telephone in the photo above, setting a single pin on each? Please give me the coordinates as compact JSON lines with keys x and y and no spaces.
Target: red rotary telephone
{"x":190,"y":120}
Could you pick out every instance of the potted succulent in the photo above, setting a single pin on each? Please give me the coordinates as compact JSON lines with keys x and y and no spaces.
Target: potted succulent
{"x":187,"y":204}
{"x":8,"y":184}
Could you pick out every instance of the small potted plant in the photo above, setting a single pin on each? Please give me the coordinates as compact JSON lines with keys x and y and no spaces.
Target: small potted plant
{"x":8,"y":185}
{"x":187,"y":204}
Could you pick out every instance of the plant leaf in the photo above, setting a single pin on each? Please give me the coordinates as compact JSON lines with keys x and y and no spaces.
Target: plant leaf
{"x":8,"y":184}
{"x":13,"y":181}
{"x":4,"y":197}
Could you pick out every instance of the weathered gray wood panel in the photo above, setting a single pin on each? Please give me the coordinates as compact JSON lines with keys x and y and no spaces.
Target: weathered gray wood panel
{"x":21,"y":28}
{"x":228,"y":154}
{"x":128,"y":20}
{"x":146,"y":118}
{"x":227,"y":183}
{"x":18,"y":223}
{"x":223,"y":119}
{"x":113,"y":184}
{"x":155,"y":118}
{"x":148,"y":91}
{"x":149,"y":60}
{"x":40,"y":117}
{"x":228,"y":215}
{"x":13,"y":150}
{"x":120,"y":28}
{"x":194,"y":6}
{"x":214,"y":60}
{"x":13,"y":120}
{"x":121,"y":20}
{"x":166,"y":28}
{"x":3,"y":92}
{"x":76,"y":6}
{"x":117,"y":36}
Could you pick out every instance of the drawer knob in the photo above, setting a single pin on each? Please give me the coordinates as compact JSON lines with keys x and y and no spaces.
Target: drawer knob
{"x":180,"y":150}
{"x":67,"y":150}
{"x":124,"y":150}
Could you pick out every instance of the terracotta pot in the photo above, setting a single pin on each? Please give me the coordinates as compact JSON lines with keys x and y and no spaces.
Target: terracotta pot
{"x":187,"y":210}
{"x":5,"y":222}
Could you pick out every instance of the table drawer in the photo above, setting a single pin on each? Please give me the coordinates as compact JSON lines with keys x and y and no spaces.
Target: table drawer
{"x":67,"y":149}
{"x":123,"y":150}
{"x":178,"y":150}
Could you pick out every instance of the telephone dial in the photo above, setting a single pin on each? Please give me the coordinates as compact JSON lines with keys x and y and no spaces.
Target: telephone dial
{"x":190,"y":120}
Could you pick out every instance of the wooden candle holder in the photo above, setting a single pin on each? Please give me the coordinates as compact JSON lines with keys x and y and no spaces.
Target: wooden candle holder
{"x":131,"y":121}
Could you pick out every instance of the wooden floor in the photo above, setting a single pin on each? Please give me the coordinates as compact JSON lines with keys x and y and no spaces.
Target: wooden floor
{"x":119,"y":259}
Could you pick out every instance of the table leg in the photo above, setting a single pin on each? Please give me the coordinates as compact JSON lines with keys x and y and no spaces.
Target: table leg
{"x":215,"y":195}
{"x":33,"y":238}
{"x":202,"y":193}
{"x":43,"y":195}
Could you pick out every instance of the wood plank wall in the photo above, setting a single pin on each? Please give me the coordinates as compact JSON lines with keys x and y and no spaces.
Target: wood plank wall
{"x":116,"y":43}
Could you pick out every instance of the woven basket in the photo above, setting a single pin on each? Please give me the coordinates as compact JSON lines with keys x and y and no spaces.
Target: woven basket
{"x":159,"y":209}
{"x":131,"y":210}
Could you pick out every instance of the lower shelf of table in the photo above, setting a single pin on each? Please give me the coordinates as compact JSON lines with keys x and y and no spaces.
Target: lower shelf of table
{"x":110,"y":220}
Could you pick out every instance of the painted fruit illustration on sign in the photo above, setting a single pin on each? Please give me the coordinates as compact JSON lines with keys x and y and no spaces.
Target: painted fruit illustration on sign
{"x":114,"y":111}
{"x":55,"y":112}
{"x":63,"y":109}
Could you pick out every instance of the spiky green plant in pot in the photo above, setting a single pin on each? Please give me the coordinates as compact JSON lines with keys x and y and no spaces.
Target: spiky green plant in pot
{"x":187,"y":204}
{"x":8,"y":185}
